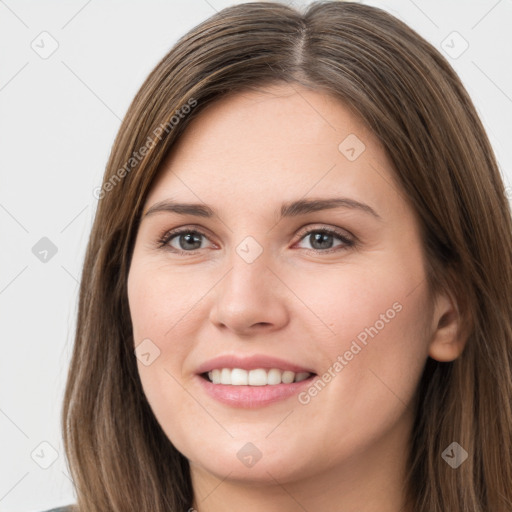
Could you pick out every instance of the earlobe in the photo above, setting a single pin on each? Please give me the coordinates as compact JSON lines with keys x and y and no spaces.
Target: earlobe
{"x":447,"y":342}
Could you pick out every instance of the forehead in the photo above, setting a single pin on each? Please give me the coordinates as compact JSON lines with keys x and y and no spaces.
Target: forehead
{"x":280,"y":142}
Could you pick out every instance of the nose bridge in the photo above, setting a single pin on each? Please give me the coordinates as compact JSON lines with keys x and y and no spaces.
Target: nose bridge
{"x":250,"y":250}
{"x":249,"y":275}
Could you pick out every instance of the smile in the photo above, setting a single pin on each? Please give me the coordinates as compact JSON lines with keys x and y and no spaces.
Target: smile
{"x":255,"y":377}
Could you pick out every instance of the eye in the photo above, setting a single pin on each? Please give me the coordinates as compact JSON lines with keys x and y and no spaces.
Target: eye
{"x":321,"y":240}
{"x":182,"y":241}
{"x":188,"y":241}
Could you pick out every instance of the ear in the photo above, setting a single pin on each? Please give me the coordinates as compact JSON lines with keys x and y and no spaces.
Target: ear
{"x":447,"y":342}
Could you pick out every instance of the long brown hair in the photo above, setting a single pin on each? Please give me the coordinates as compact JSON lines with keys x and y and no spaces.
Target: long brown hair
{"x":119,"y":457}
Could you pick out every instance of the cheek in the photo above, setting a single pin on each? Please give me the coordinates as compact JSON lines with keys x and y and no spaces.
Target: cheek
{"x":161,"y":300}
{"x":375,"y":310}
{"x":374,"y":360}
{"x":381,"y":305}
{"x":166,"y":307}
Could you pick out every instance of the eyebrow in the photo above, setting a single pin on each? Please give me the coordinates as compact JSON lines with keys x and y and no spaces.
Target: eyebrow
{"x":288,"y":209}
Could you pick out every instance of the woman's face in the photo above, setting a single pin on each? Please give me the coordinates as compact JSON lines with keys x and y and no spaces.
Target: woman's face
{"x":253,"y":283}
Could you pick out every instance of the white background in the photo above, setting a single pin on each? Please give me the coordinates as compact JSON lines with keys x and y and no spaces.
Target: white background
{"x":58,"y":120}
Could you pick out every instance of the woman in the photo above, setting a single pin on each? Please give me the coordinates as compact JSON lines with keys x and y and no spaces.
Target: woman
{"x":338,"y":335}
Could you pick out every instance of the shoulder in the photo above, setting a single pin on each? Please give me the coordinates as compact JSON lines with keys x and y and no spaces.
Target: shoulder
{"x":60,"y":509}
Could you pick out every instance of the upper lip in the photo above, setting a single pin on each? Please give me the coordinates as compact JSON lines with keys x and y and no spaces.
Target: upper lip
{"x":250,"y":363}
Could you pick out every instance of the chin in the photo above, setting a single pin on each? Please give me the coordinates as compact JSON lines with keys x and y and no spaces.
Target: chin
{"x":259,"y":461}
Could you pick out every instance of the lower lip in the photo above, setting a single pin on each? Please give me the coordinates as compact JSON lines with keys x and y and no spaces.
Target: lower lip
{"x":252,"y":396}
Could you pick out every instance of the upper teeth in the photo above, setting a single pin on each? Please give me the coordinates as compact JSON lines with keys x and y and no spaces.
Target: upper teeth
{"x":257,"y":377}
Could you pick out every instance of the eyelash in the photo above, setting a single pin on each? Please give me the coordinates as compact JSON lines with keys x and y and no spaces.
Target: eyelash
{"x":167,"y":236}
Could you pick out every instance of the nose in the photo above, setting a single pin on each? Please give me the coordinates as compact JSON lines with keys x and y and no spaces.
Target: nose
{"x":250,"y":298}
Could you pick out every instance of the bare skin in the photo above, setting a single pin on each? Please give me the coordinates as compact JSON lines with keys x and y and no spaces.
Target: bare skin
{"x":343,"y":447}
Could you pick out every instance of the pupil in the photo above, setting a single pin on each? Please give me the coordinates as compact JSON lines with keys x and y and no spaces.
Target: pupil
{"x":189,"y":238}
{"x":318,"y":237}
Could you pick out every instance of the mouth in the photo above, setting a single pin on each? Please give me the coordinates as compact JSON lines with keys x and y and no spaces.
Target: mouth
{"x":249,"y":381}
{"x":254,"y":377}
{"x":249,"y":389}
